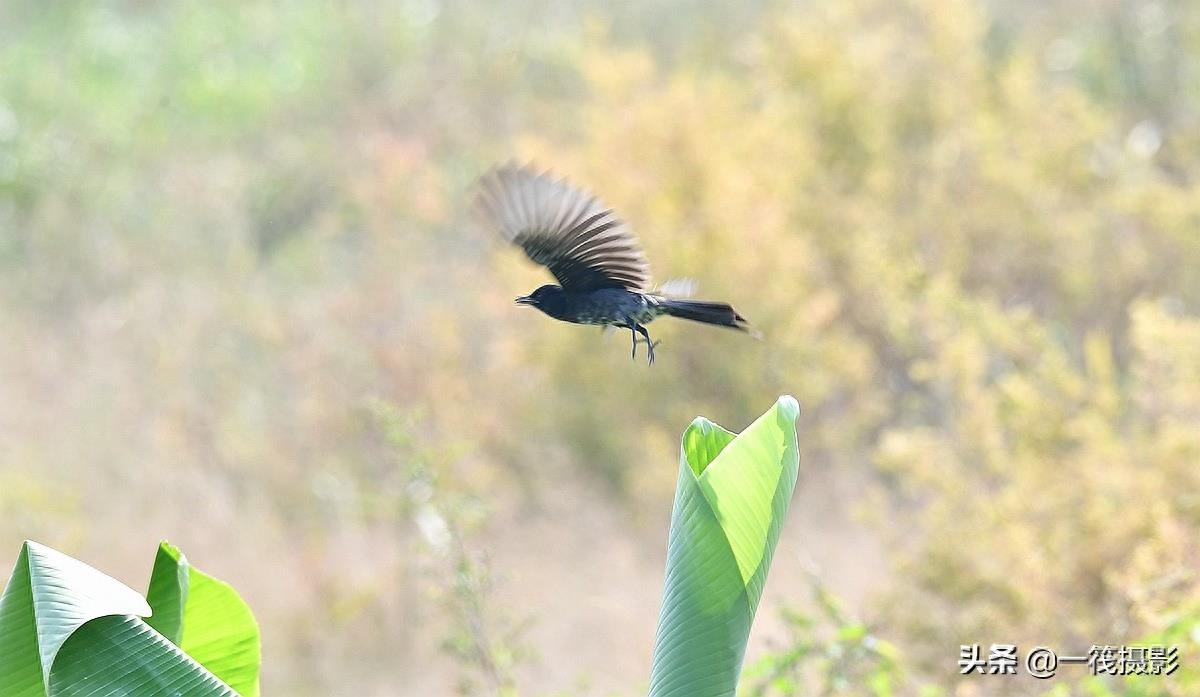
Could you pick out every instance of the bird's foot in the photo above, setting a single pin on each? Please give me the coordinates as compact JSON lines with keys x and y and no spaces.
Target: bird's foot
{"x":649,"y":348}
{"x":649,"y":344}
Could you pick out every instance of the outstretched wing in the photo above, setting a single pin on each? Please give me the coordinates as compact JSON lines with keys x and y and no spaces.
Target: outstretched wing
{"x":563,"y":228}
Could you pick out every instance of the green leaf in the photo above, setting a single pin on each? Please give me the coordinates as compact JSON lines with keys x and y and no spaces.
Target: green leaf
{"x":122,"y":655}
{"x":206,"y":618}
{"x":48,"y":597}
{"x":167,"y":594}
{"x":20,"y":666}
{"x":68,"y":629}
{"x":730,"y":502}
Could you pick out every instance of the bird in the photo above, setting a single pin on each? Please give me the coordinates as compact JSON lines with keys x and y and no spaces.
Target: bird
{"x":602,"y":273}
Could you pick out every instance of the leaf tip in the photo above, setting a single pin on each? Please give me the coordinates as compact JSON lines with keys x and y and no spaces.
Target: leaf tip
{"x":176,"y":554}
{"x":788,"y":407}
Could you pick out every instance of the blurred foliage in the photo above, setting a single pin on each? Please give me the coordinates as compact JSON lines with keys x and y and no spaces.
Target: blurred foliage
{"x":828,"y":653}
{"x":967,"y":229}
{"x":1182,"y":633}
{"x":480,"y":637}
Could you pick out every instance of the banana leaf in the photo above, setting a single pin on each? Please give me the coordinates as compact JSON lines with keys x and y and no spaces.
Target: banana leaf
{"x":730,"y":502}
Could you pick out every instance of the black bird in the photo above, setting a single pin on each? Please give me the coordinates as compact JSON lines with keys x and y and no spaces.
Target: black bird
{"x":602,"y":273}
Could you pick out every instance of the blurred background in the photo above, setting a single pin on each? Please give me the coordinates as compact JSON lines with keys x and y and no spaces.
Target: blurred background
{"x":241,"y":308}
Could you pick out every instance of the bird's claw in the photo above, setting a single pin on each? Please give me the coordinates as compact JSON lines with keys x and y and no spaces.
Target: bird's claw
{"x":650,"y":350}
{"x":633,"y":331}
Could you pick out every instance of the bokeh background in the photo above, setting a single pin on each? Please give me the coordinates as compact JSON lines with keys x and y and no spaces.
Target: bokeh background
{"x":242,"y":308}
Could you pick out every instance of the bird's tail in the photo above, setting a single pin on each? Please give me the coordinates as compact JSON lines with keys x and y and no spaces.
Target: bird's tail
{"x":720,"y":314}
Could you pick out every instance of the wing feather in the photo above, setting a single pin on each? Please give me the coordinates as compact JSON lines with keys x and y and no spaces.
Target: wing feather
{"x":562,"y":227}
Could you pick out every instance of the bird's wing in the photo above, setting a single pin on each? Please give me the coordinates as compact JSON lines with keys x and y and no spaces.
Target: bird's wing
{"x":563,"y":228}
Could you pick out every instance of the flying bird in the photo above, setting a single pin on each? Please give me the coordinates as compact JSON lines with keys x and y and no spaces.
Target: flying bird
{"x":603,"y":277}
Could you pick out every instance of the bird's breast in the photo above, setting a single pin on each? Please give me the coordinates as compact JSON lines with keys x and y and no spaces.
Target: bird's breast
{"x":608,"y":306}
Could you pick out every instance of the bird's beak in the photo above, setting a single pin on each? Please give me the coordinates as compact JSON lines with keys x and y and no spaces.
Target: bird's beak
{"x":524,"y":300}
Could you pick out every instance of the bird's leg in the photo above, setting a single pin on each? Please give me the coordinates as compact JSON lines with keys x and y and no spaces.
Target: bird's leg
{"x":634,"y":328}
{"x":649,"y":344}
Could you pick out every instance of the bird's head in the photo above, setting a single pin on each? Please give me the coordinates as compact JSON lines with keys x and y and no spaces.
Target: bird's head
{"x":549,"y":299}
